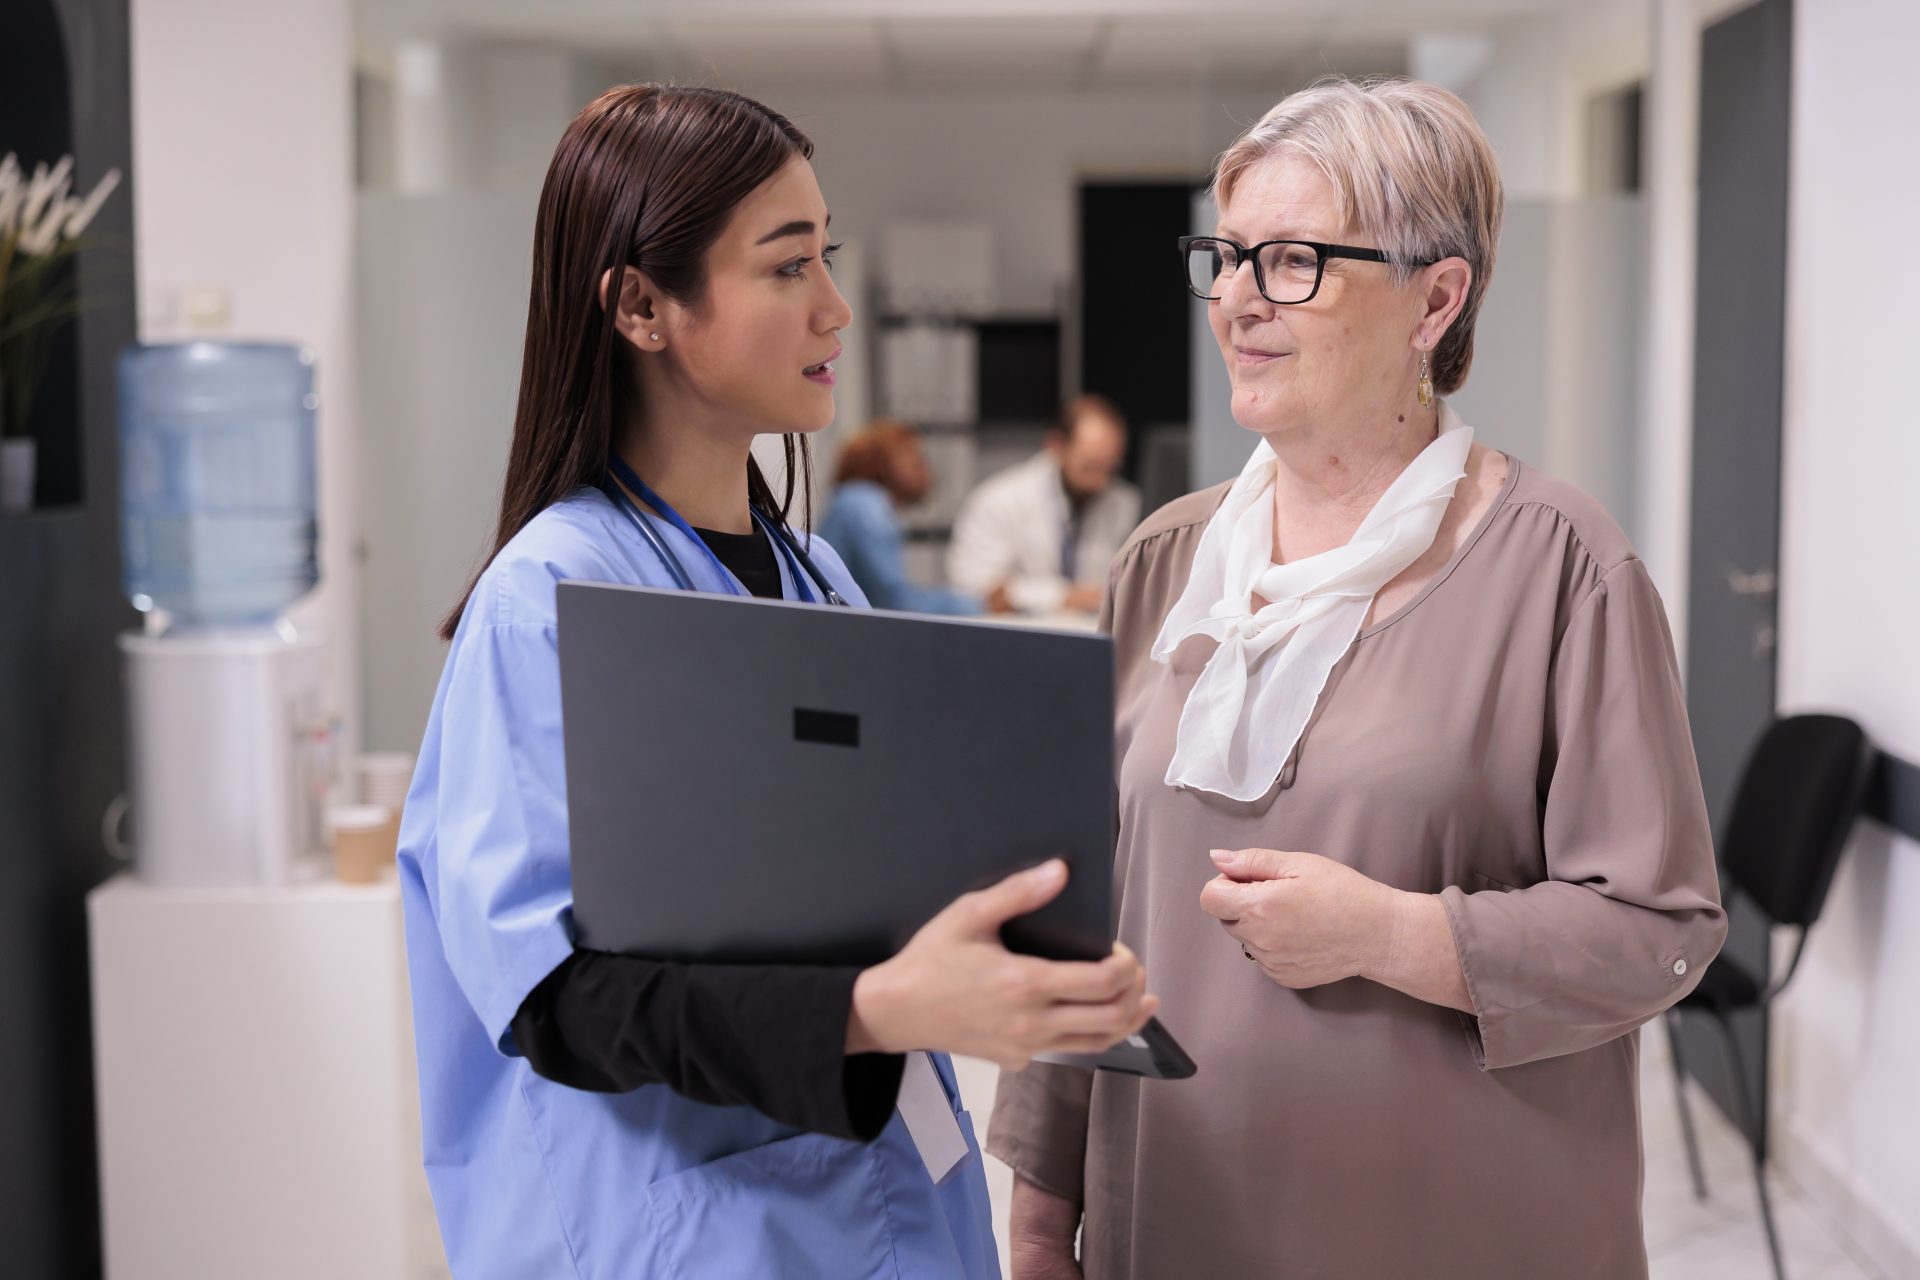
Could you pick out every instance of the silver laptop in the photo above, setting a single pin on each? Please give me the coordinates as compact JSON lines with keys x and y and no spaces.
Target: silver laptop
{"x":759,"y":781}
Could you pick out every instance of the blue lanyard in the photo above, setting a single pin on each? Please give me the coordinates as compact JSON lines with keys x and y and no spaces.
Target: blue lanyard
{"x":799,"y":564}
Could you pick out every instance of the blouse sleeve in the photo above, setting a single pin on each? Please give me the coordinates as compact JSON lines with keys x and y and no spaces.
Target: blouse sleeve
{"x":1629,"y":915}
{"x":1039,"y":1126}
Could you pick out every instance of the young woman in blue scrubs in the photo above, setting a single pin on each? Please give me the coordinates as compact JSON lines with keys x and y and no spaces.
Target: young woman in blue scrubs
{"x":596,"y":1115}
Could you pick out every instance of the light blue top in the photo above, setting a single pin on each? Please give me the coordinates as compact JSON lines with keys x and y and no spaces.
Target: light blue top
{"x":862,"y":524}
{"x":532,"y":1179}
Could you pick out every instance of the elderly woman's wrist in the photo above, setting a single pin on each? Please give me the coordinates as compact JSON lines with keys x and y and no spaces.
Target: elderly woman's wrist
{"x":1394,"y":910}
{"x":1041,"y":1218}
{"x":1416,"y":953}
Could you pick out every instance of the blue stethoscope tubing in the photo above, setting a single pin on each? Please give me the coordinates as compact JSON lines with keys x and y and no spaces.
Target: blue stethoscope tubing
{"x":799,"y":563}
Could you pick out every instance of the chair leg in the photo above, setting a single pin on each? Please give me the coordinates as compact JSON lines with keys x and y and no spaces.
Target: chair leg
{"x":1686,"y":1112}
{"x":1744,"y":1099}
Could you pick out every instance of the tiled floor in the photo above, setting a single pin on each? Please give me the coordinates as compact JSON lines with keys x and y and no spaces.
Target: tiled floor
{"x":1719,"y":1238}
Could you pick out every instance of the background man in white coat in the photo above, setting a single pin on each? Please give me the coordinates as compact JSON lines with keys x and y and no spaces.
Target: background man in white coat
{"x":1038,"y":537}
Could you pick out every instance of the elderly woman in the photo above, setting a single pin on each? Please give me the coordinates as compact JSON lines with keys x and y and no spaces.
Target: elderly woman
{"x":1411,"y":832}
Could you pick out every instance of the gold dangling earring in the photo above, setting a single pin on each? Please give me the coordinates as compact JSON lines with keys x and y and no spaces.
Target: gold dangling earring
{"x":1424,"y":389}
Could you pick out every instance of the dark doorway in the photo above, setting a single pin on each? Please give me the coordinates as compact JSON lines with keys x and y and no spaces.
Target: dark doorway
{"x":1745,"y":72}
{"x":36,"y":106}
{"x":1134,"y":345}
{"x":63,"y":87}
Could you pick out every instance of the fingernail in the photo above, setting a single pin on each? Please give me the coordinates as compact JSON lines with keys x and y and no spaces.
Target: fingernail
{"x":1221,"y":857}
{"x":1122,"y":949}
{"x":1050,"y":870}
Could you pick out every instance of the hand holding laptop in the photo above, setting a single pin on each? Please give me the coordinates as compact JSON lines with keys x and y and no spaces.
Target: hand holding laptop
{"x":874,"y":779}
{"x":955,"y":986}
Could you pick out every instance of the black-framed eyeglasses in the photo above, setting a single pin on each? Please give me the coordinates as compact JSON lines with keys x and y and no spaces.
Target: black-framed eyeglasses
{"x":1287,"y":272}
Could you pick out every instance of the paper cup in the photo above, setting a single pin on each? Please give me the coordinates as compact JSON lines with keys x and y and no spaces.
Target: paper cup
{"x":364,"y":838}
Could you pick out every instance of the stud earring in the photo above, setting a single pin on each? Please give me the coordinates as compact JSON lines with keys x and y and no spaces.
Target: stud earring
{"x":654,"y":336}
{"x":1424,"y":389}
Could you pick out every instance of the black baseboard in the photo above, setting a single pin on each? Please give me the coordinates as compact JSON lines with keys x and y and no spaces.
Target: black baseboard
{"x":1893,"y":797}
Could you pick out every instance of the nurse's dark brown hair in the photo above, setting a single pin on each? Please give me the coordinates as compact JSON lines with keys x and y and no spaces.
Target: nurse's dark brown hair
{"x":646,"y":177}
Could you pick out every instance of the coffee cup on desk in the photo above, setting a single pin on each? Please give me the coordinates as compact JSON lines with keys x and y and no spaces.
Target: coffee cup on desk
{"x":364,"y":840}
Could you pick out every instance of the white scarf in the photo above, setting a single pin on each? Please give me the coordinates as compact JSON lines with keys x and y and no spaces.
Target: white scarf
{"x":1254,"y":697}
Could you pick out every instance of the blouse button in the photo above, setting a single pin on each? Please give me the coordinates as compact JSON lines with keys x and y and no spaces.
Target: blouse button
{"x":1679,"y":968}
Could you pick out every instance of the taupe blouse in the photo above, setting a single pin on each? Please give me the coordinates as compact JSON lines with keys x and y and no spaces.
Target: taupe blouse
{"x":1514,"y":740}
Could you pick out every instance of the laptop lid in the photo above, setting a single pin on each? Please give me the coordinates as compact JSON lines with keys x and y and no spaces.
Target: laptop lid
{"x":764,"y":781}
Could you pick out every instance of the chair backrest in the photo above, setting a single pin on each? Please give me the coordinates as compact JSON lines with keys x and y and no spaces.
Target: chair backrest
{"x":1801,"y":789}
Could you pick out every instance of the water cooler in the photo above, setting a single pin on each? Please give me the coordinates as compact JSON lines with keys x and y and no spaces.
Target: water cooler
{"x":230,"y":737}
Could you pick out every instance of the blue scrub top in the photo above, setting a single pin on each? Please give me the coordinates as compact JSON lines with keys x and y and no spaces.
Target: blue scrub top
{"x":532,"y":1179}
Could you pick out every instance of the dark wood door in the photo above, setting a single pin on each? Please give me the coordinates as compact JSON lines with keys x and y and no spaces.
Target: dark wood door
{"x":1745,"y":73}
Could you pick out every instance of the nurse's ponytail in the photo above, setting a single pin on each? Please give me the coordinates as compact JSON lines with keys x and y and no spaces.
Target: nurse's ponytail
{"x":646,"y":177}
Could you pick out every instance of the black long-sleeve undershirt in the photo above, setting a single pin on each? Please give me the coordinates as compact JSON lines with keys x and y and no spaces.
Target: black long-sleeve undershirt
{"x":770,"y":1037}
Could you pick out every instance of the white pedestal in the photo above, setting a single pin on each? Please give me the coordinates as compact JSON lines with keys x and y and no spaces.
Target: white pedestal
{"x":258,"y":1108}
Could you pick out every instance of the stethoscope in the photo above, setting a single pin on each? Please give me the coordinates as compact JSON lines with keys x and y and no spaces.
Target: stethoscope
{"x":799,"y":563}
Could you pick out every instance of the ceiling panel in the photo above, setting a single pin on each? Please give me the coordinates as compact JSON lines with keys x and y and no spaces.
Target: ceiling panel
{"x":825,"y":52}
{"x":1269,"y":51}
{"x":995,"y":50}
{"x":962,"y":43}
{"x":1157,"y":49}
{"x":1204,"y":48}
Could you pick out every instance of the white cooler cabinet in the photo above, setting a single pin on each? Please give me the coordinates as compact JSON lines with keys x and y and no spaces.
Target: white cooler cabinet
{"x":258,"y":1107}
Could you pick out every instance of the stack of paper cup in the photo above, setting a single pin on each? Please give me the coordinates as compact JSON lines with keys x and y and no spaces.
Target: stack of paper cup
{"x":383,"y":778}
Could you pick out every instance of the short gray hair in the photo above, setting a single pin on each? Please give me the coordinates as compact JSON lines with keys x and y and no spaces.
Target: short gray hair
{"x":1413,"y":173}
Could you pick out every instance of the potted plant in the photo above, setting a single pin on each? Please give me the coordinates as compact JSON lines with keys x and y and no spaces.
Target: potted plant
{"x":40,"y":227}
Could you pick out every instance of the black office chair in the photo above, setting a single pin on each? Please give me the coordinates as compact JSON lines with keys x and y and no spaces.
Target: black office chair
{"x":1802,"y":787}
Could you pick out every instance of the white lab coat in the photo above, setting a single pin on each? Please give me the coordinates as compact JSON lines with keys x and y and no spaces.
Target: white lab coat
{"x":1012,"y":529}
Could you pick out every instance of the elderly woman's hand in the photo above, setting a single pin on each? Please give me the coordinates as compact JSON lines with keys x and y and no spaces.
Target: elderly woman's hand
{"x":1308,"y":920}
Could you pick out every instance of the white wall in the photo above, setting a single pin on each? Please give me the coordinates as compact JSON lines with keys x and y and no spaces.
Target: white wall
{"x":1556,"y":351}
{"x":1011,"y":159}
{"x":1530,"y":91}
{"x":1518,"y":99}
{"x":1560,"y":345}
{"x":444,"y":236}
{"x":242,"y":143}
{"x":478,"y":116}
{"x":442,"y":311}
{"x":1849,"y":1029}
{"x":1670,"y":132}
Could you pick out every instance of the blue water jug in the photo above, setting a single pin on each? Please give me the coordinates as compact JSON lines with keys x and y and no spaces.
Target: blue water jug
{"x":217,"y":489}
